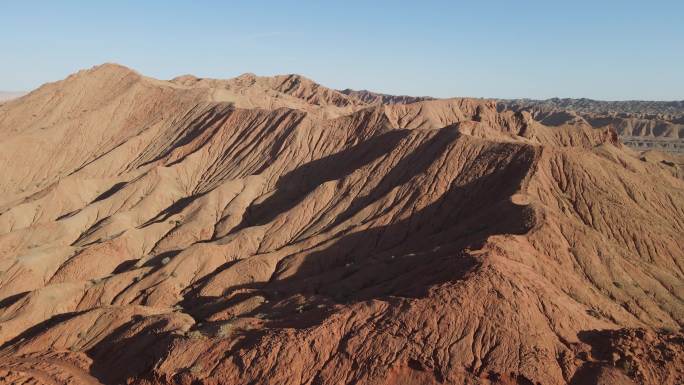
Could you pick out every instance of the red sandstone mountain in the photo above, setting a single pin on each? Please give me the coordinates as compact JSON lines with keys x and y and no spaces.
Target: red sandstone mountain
{"x":273,"y":231}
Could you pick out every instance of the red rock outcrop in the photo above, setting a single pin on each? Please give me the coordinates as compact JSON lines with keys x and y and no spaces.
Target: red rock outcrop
{"x":271,"y":230}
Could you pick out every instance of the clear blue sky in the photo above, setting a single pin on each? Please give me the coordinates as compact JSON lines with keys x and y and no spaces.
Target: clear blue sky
{"x":601,"y":49}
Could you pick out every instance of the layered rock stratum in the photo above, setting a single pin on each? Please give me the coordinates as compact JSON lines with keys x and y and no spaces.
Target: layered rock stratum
{"x":269,"y":230}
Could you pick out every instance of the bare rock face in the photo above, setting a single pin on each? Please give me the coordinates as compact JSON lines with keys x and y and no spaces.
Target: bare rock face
{"x":270,"y":230}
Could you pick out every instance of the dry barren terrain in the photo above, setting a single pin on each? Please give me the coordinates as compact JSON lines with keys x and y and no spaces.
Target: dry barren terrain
{"x":269,"y":230}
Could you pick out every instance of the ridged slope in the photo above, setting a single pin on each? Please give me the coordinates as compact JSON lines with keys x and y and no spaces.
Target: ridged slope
{"x":270,"y":230}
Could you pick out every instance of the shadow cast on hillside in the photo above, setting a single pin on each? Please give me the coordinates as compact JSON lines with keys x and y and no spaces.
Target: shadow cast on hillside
{"x":122,"y":355}
{"x":297,"y":184}
{"x":401,"y":259}
{"x":407,"y":257}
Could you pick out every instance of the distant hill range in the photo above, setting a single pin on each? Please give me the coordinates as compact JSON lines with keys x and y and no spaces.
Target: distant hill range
{"x":640,"y":124}
{"x":8,"y":95}
{"x":584,"y":105}
{"x":378,"y":98}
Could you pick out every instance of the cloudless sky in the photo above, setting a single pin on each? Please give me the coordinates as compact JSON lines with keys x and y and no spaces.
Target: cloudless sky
{"x":602,"y":49}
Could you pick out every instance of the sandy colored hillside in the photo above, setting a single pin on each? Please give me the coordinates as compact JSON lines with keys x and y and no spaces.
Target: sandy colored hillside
{"x":269,"y":230}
